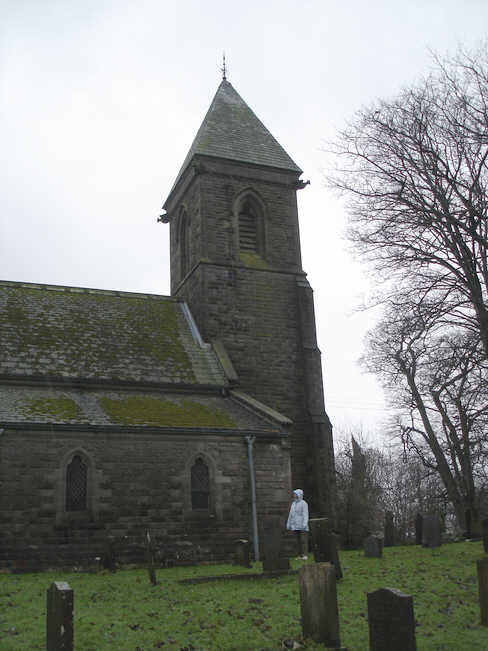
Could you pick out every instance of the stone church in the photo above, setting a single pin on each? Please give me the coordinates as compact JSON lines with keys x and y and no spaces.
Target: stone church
{"x":181,"y":415}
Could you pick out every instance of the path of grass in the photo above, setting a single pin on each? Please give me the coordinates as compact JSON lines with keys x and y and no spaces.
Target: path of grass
{"x":123,"y":611}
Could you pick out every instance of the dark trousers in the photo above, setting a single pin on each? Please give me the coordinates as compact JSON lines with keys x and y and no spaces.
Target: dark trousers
{"x":302,"y":542}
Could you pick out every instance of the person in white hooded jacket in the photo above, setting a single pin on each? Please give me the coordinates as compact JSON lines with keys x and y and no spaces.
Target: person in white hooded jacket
{"x":298,"y":522}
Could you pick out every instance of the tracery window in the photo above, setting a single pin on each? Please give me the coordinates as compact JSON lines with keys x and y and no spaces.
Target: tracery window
{"x":200,"y":485}
{"x":76,"y":485}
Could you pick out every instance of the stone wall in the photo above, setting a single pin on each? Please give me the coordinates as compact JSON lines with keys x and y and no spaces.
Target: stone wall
{"x":136,"y":481}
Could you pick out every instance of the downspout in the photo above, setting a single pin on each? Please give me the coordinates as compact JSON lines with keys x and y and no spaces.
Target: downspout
{"x":250,"y":440}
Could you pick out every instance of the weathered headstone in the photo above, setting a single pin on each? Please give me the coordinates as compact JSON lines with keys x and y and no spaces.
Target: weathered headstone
{"x":391,"y":621}
{"x":273,"y":561}
{"x":324,"y":544}
{"x":150,"y":559}
{"x":482,"y":567}
{"x":485,"y":535}
{"x":59,"y":619}
{"x":419,"y":522}
{"x":431,"y":534}
{"x":108,"y":556}
{"x":373,"y":547}
{"x":242,"y":553}
{"x":318,"y":601}
{"x":389,"y":539}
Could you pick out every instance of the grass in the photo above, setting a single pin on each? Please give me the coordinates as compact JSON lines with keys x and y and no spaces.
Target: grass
{"x":123,"y":611}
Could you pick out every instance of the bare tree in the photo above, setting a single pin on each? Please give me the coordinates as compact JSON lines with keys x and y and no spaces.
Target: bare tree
{"x":436,"y":377}
{"x":415,"y":172}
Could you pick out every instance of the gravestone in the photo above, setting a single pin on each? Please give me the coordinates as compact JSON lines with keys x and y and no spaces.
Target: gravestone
{"x":373,"y":547}
{"x":150,"y":559}
{"x":485,"y":535}
{"x":324,"y":544}
{"x":271,"y":539}
{"x":108,"y":556}
{"x":482,"y":567}
{"x":318,"y":602}
{"x":389,"y":530}
{"x":419,"y":522}
{"x":59,"y":619}
{"x":242,"y":553}
{"x":391,"y":621}
{"x":431,"y":533}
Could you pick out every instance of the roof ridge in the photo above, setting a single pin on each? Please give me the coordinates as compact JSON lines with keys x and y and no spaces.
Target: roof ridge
{"x":73,"y":289}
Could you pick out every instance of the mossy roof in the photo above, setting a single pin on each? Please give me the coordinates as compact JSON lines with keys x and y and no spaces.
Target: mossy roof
{"x":102,"y":407}
{"x":232,"y":131}
{"x":71,"y":332}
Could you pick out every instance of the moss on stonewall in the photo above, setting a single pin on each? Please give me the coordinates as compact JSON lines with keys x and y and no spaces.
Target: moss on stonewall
{"x":253,"y":260}
{"x":146,"y":410}
{"x":61,"y":408}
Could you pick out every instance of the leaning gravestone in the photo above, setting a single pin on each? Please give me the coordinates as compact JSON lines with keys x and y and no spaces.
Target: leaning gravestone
{"x":59,"y":619}
{"x":242,"y":553}
{"x":318,"y":602}
{"x":391,"y":621}
{"x":273,"y":561}
{"x":373,"y":547}
{"x":389,"y":530}
{"x":431,"y":534}
{"x":485,"y":535}
{"x":419,"y":522}
{"x":324,"y":544}
{"x":482,"y":567}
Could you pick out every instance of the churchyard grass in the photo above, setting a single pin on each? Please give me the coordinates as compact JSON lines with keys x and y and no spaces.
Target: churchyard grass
{"x":123,"y":611}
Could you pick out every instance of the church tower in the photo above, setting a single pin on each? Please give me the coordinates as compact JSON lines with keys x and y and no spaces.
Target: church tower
{"x":235,"y":260}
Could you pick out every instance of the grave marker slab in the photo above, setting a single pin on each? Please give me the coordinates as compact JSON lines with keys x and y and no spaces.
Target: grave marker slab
{"x":482,"y":567}
{"x":324,"y":544}
{"x":419,"y":522}
{"x":150,"y":559}
{"x":272,"y":537}
{"x":242,"y":551}
{"x":59,"y":619}
{"x":431,"y":531}
{"x":318,"y":601}
{"x":391,"y":621}
{"x":373,"y":547}
{"x":389,"y":530}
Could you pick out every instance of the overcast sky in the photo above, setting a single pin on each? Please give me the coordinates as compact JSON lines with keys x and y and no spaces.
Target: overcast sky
{"x":100,"y":101}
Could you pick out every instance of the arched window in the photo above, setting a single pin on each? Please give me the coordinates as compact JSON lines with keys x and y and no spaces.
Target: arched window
{"x":184,"y":244}
{"x":248,"y":227}
{"x":76,"y":485}
{"x":249,"y":212}
{"x":200,"y":485}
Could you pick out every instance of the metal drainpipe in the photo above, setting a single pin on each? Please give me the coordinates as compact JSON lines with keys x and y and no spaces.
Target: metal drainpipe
{"x":250,"y":440}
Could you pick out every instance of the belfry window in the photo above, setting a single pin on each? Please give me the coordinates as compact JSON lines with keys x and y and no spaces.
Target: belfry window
{"x":184,"y":244}
{"x":76,"y":485}
{"x":248,"y":227}
{"x":200,"y":485}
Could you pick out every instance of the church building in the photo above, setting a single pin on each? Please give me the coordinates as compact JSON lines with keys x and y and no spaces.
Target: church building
{"x":181,"y":415}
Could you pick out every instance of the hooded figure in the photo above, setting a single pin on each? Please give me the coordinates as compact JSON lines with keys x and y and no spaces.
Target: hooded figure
{"x":298,"y":522}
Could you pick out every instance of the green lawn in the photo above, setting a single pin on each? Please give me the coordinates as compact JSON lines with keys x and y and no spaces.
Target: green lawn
{"x":123,"y":611}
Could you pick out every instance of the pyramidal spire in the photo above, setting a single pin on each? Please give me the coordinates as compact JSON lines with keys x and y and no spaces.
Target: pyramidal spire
{"x":231,"y":130}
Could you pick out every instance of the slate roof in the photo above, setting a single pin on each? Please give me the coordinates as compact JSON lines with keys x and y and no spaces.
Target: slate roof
{"x":121,"y":408}
{"x":70,"y":332}
{"x":232,"y":131}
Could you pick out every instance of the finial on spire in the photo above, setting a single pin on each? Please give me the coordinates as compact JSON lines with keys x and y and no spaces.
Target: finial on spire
{"x":223,"y":70}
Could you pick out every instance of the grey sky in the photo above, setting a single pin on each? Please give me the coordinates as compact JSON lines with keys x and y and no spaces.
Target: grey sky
{"x":100,"y":101}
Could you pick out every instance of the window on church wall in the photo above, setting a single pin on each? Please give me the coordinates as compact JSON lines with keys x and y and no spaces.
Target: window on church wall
{"x":200,"y":485}
{"x":76,"y":485}
{"x":184,"y":242}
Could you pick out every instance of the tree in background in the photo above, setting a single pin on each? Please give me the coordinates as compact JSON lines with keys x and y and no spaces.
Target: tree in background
{"x":415,"y":172}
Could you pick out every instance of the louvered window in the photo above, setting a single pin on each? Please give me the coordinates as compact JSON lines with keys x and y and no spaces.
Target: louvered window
{"x":248,"y":228}
{"x":76,"y":485}
{"x":200,"y":485}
